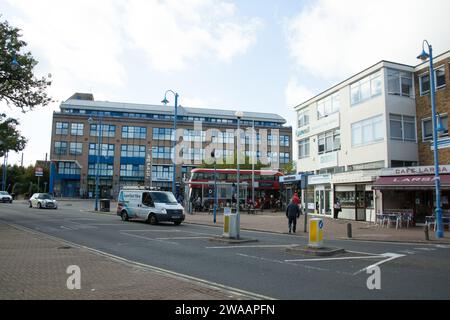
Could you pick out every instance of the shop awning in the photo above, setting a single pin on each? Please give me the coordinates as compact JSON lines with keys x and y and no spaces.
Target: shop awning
{"x":410,"y":182}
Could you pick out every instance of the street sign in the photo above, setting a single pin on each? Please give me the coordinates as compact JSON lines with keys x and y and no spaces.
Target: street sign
{"x":39,"y":172}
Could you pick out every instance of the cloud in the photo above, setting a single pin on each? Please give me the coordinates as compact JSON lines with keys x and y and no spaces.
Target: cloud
{"x":333,"y":39}
{"x":174,"y":34}
{"x":296,"y":93}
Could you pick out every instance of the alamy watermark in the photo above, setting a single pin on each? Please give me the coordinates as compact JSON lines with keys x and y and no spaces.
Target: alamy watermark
{"x":74,"y":280}
{"x":374,"y":280}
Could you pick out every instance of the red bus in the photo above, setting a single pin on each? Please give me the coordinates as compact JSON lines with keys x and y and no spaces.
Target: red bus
{"x":266,"y":188}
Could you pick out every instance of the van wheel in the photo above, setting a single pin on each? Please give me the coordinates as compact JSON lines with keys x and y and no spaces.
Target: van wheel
{"x":124,"y":216}
{"x":152,"y":219}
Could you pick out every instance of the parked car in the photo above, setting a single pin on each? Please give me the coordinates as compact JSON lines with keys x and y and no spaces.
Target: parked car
{"x":5,"y":197}
{"x":43,"y":200}
{"x":147,"y":205}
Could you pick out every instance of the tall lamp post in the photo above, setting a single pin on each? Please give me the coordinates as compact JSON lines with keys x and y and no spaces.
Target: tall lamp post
{"x":424,"y":56}
{"x":97,"y":169}
{"x":238,"y":115}
{"x":5,"y":171}
{"x":213,"y":155}
{"x":165,"y":101}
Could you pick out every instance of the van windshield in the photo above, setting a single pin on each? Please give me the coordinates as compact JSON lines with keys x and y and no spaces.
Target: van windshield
{"x":163,"y":197}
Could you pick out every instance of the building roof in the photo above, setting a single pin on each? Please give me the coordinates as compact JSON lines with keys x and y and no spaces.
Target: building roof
{"x":73,"y":102}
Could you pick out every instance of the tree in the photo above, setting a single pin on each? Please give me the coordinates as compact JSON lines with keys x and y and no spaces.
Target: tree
{"x":18,"y":85}
{"x":289,"y":168}
{"x":10,"y":138}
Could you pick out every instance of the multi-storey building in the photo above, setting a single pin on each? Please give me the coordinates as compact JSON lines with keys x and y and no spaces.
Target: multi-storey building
{"x":136,"y":143}
{"x":366,"y":127}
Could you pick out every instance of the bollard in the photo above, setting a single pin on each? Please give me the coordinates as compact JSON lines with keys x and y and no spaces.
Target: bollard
{"x":349,"y":230}
{"x":305,"y":222}
{"x":427,"y":236}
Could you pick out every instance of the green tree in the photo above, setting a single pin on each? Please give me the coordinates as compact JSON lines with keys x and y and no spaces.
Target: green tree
{"x":289,"y":168}
{"x":10,"y":138}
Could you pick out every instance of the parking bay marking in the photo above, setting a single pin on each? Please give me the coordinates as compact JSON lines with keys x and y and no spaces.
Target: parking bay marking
{"x":147,"y":238}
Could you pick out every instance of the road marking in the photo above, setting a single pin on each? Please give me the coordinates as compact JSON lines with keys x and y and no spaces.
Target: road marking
{"x":360,"y":252}
{"x":442,"y":246}
{"x":408,"y":252}
{"x":332,"y":259}
{"x":254,"y":246}
{"x":389,"y":256}
{"x":425,"y":249}
{"x":270,"y":260}
{"x":147,"y":238}
{"x":183,"y":238}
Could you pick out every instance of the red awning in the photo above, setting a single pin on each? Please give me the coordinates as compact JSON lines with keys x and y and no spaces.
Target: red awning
{"x":410,"y":182}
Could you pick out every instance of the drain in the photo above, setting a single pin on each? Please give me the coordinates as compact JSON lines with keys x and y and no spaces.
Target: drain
{"x":65,"y":247}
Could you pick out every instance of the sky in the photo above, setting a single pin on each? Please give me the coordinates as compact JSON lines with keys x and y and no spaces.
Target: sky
{"x":248,"y":55}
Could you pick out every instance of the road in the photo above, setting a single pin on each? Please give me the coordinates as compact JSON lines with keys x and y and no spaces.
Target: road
{"x":262,"y":269}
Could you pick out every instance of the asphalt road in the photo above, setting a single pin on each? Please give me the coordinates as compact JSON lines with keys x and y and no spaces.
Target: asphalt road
{"x":408,"y":271}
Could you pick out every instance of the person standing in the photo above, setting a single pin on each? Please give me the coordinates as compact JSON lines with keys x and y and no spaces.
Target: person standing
{"x":337,"y":208}
{"x":292,"y":213}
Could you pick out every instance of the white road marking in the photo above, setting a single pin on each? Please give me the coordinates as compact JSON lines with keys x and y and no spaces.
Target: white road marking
{"x":390,"y":256}
{"x":360,"y":252}
{"x":442,"y":246}
{"x":408,"y":252}
{"x":270,"y":260}
{"x":333,"y":259}
{"x":147,"y":238}
{"x":254,"y":246}
{"x":425,"y":249}
{"x":182,"y":238}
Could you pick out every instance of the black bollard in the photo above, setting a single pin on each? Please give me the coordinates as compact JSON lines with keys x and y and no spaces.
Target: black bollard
{"x":305,"y":226}
{"x":349,"y":230}
{"x":425,"y":230}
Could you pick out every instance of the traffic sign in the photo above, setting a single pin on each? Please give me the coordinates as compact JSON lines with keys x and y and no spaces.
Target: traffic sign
{"x":39,"y":172}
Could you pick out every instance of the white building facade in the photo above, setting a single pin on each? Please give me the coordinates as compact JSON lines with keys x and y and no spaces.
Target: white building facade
{"x":351,"y":131}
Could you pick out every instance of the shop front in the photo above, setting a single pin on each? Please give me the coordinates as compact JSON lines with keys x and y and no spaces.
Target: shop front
{"x":412,"y":189}
{"x":292,"y":184}
{"x":323,"y":195}
{"x":355,"y":194}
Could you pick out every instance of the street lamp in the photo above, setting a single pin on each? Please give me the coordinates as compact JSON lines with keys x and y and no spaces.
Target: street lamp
{"x":5,"y":171}
{"x":99,"y":130}
{"x":238,"y":115}
{"x":424,"y":56}
{"x":165,"y":101}
{"x":213,"y":155}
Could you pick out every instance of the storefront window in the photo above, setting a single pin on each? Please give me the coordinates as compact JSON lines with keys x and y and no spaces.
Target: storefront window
{"x":346,"y":198}
{"x":369,"y":200}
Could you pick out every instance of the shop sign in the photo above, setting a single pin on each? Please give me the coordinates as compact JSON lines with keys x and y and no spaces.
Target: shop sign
{"x":291,"y":178}
{"x":325,"y":124}
{"x":328,"y":160}
{"x":406,"y":171}
{"x":320,"y":179}
{"x":407,"y":180}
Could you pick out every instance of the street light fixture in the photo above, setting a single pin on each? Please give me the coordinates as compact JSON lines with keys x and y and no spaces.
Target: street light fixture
{"x":165,"y":102}
{"x":239,"y":115}
{"x":97,"y":169}
{"x":424,"y":56}
{"x":213,"y":155}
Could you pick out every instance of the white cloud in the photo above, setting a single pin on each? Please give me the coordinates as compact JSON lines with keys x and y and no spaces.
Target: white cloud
{"x":296,"y":93}
{"x":174,"y":34}
{"x":332,"y":39}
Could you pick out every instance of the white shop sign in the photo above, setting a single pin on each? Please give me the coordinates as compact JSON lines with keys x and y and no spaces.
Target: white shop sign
{"x":407,"y":171}
{"x":320,"y":179}
{"x":328,"y":160}
{"x":325,"y":124}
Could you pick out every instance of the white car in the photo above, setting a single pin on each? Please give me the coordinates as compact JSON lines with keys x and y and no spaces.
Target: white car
{"x":43,"y":200}
{"x":5,"y":197}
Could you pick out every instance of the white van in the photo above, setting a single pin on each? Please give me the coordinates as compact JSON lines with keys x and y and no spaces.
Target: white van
{"x":149,"y":205}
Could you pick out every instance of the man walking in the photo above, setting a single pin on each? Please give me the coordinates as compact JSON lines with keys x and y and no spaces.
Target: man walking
{"x":292,"y":213}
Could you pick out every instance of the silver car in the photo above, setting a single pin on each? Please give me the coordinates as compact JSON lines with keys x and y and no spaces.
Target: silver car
{"x":43,"y":200}
{"x":5,"y":197}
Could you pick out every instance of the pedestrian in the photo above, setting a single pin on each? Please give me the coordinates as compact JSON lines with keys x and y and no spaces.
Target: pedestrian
{"x":337,"y":208}
{"x":292,"y":213}
{"x":198,"y":204}
{"x":296,"y":199}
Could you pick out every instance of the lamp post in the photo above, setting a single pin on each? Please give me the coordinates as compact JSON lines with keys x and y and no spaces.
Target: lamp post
{"x":424,"y":56}
{"x":97,"y":169}
{"x":5,"y":171}
{"x":238,"y":115}
{"x":213,"y":155}
{"x":165,"y":101}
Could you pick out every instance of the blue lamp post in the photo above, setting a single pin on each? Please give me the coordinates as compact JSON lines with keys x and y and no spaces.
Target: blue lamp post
{"x":213,"y":154}
{"x":424,"y":56}
{"x":165,"y":101}
{"x":5,"y":171}
{"x":238,"y":115}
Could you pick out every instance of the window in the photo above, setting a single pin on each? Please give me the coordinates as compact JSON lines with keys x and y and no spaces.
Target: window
{"x":424,"y":80}
{"x":427,"y":127}
{"x":303,"y":148}
{"x":76,"y":129}
{"x":60,"y":147}
{"x":107,"y":130}
{"x":284,"y":141}
{"x":104,"y":169}
{"x":134,"y":132}
{"x":163,"y":134}
{"x":132,"y":151}
{"x":162,"y":173}
{"x":402,"y":127}
{"x":303,"y":118}
{"x":195,"y":154}
{"x":366,"y":88}
{"x":192,"y":135}
{"x":329,"y":141}
{"x":106,"y":150}
{"x":424,"y":84}
{"x":132,"y":170}
{"x":440,"y":77}
{"x":401,"y":163}
{"x":68,"y":168}
{"x":367,"y":131}
{"x":161,"y":152}
{"x":328,"y":105}
{"x":400,"y":83}
{"x":284,"y":157}
{"x":76,"y":148}
{"x":62,"y":128}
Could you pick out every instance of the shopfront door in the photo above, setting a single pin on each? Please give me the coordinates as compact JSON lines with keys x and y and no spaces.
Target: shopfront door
{"x":323,"y":198}
{"x":360,"y":203}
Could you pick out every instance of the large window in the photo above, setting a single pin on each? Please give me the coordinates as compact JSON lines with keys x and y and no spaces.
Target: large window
{"x":303,"y":148}
{"x":427,"y":127}
{"x":192,"y":135}
{"x":164,"y":173}
{"x":400,"y":83}
{"x":129,"y":132}
{"x":106,"y":150}
{"x":328,"y":105}
{"x":62,"y":128}
{"x":60,"y":147}
{"x":163,"y":134}
{"x":367,"y":131}
{"x":366,"y":88}
{"x":76,"y":129}
{"x":68,"y":168}
{"x":104,"y":169}
{"x":76,"y":148}
{"x":161,"y":152}
{"x":329,"y":141}
{"x":195,"y":154}
{"x":440,"y":77}
{"x":303,"y":118}
{"x":132,"y":151}
{"x":284,"y":157}
{"x":108,"y":131}
{"x":132,"y":170}
{"x":402,"y":127}
{"x":424,"y":80}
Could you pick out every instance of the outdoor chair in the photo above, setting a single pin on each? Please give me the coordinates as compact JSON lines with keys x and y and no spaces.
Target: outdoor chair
{"x":393,"y":219}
